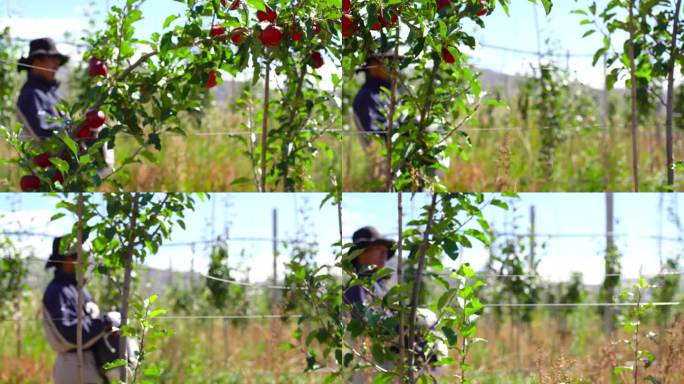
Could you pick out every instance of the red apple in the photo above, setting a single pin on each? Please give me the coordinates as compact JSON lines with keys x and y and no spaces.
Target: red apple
{"x":237,"y":36}
{"x":217,"y":30}
{"x":85,"y":133}
{"x":95,"y":119}
{"x":297,"y":35}
{"x":211,"y":82}
{"x":346,"y":6}
{"x":348,"y":27}
{"x":271,"y":36}
{"x":484,"y":10}
{"x":58,"y":177}
{"x":441,"y":4}
{"x":447,"y":56}
{"x":42,"y":160}
{"x":270,"y":15}
{"x":29,"y":183}
{"x":97,"y":68}
{"x":317,"y":59}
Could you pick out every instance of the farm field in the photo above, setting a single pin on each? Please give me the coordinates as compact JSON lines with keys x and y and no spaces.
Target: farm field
{"x":510,"y":304}
{"x":271,"y":105}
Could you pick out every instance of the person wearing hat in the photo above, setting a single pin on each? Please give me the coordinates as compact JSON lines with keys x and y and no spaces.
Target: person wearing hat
{"x":40,"y":94}
{"x":38,"y":99}
{"x":60,"y":306}
{"x":369,"y":253}
{"x":371,"y":102}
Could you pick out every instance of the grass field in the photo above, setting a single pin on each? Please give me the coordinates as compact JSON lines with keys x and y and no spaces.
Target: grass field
{"x":550,"y":350}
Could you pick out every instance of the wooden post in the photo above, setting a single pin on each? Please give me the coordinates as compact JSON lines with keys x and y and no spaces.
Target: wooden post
{"x":610,"y":246}
{"x":275,"y":253}
{"x":274,"y":296}
{"x":225,"y":321}
{"x":400,"y":280}
{"x":79,"y":287}
{"x":532,"y":236}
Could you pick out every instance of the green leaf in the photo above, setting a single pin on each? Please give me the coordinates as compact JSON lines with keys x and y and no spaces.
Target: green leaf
{"x":114,"y":364}
{"x":170,"y":20}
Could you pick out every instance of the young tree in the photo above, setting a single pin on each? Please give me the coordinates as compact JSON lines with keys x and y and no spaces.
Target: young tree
{"x":124,"y":229}
{"x":139,"y":87}
{"x":441,"y":93}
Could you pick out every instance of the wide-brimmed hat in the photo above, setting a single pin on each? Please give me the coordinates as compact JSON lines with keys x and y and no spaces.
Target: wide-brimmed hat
{"x":381,"y":56}
{"x":41,"y":47}
{"x":57,"y":255}
{"x":367,"y":236}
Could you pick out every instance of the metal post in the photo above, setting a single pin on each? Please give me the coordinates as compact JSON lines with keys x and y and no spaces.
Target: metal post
{"x":532,"y":237}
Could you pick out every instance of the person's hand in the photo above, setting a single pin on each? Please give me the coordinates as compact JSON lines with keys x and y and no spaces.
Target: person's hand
{"x":114,"y":318}
{"x":92,"y":309}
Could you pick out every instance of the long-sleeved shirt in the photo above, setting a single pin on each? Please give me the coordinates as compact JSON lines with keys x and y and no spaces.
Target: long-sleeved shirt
{"x":36,"y":105}
{"x":360,"y":297}
{"x":60,"y":304}
{"x":371,"y":105}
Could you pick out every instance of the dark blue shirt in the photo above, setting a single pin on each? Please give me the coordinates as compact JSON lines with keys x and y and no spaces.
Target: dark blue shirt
{"x":37,"y":103}
{"x":371,"y":104}
{"x":61,"y":301}
{"x":360,"y":297}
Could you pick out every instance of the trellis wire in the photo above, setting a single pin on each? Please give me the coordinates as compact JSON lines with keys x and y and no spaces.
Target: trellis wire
{"x":281,"y":287}
{"x":535,"y":53}
{"x":295,"y":240}
{"x":234,"y":282}
{"x":185,"y":317}
{"x":494,"y":305}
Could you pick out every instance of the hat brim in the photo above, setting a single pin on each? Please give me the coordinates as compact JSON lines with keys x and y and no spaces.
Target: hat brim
{"x":381,"y":57}
{"x":24,"y":61}
{"x":386,"y":242}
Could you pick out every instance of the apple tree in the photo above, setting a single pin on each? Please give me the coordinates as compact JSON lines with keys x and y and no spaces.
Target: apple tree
{"x":141,"y":87}
{"x":123,"y":230}
{"x":650,"y":52}
{"x":13,"y":288}
{"x":435,"y":92}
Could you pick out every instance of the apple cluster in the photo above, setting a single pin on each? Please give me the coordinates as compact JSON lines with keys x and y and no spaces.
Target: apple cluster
{"x":94,"y":120}
{"x":271,"y":36}
{"x":350,"y":27}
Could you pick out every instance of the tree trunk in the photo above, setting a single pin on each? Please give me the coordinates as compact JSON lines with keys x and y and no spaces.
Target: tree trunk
{"x":634,"y":122}
{"x":225,"y":343}
{"x":264,"y":129}
{"x":390,"y":115}
{"x":416,"y":284}
{"x":128,"y":265}
{"x":17,"y":330}
{"x":79,"y":286}
{"x":670,"y":96}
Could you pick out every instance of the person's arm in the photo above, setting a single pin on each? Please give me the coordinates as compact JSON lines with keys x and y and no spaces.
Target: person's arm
{"x":354,"y":296}
{"x":61,"y":306}
{"x":34,"y":117}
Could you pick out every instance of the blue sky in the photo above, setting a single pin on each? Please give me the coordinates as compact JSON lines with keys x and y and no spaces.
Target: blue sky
{"x":517,"y":31}
{"x":250,"y":215}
